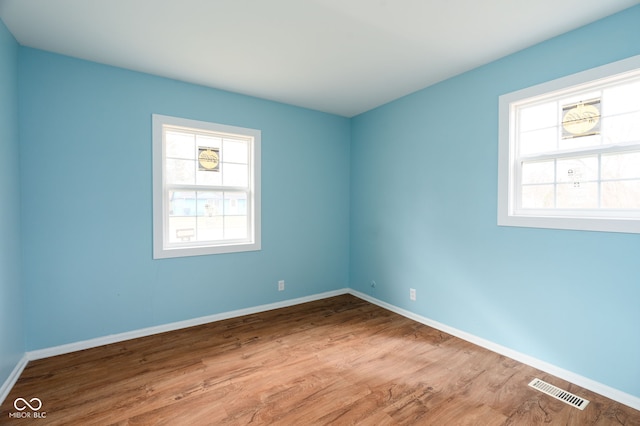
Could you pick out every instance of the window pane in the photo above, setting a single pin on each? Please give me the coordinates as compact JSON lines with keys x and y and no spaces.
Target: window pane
{"x":578,"y":169}
{"x":209,"y":204}
{"x":538,"y":141}
{"x":621,"y":166}
{"x":210,"y":228}
{"x":208,"y":141}
{"x":182,"y":229}
{"x":538,"y":196}
{"x":623,"y":194}
{"x":235,"y":203}
{"x":182,"y":221}
{"x":209,"y":177}
{"x":538,"y":172}
{"x":580,"y":142}
{"x":235,"y":227}
{"x":622,"y":99}
{"x":235,"y":174}
{"x":577,"y":196}
{"x":180,"y":145}
{"x":235,"y":151}
{"x":180,"y":171}
{"x":579,"y":97}
{"x":210,"y":221}
{"x":538,"y":117}
{"x":622,"y":128}
{"x":182,"y":203}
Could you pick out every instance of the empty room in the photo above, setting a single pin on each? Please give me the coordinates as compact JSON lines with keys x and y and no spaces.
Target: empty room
{"x":292,"y":212}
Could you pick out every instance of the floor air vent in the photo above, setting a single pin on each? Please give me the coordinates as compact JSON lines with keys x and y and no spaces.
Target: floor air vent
{"x":558,"y":393}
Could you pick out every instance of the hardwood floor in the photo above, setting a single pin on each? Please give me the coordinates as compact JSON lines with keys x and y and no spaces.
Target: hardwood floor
{"x":336,"y":361}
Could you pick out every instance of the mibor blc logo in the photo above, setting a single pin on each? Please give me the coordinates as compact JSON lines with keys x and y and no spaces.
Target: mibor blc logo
{"x":23,"y":406}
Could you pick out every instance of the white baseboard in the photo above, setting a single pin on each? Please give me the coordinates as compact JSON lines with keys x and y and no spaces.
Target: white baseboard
{"x":609,"y":392}
{"x":6,"y":387}
{"x":143,"y":332}
{"x":8,"y":384}
{"x":584,"y":382}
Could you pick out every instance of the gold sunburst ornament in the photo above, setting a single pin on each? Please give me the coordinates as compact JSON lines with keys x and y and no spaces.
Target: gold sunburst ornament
{"x":581,"y":119}
{"x":208,"y":159}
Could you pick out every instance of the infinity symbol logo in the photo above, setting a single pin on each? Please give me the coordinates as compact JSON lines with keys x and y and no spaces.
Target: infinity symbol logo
{"x":37,"y":404}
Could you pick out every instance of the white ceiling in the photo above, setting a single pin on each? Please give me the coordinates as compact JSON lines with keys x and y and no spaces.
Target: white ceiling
{"x":338,"y":56}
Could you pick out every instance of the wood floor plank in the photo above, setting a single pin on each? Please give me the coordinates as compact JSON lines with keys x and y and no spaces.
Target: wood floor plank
{"x":335,"y":361}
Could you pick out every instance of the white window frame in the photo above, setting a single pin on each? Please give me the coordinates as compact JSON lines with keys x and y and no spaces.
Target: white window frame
{"x":161,"y":246}
{"x":508,"y":169}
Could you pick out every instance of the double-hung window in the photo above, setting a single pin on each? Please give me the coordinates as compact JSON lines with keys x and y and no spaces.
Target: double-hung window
{"x":570,"y":152}
{"x":206,"y":188}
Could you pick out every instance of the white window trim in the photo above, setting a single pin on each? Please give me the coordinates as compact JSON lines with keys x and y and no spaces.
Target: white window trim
{"x":160,"y":251}
{"x":507,"y":214}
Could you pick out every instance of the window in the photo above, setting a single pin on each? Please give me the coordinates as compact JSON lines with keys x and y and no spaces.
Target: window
{"x":570,"y":152}
{"x":206,"y":188}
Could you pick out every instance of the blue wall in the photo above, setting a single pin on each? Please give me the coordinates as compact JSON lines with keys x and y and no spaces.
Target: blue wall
{"x":423,"y":215}
{"x":85,"y":134}
{"x":11,"y":303}
{"x":409,"y":187}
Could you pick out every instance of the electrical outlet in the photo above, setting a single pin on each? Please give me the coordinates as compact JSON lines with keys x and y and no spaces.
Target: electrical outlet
{"x":281,"y":285}
{"x":412,"y":293}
